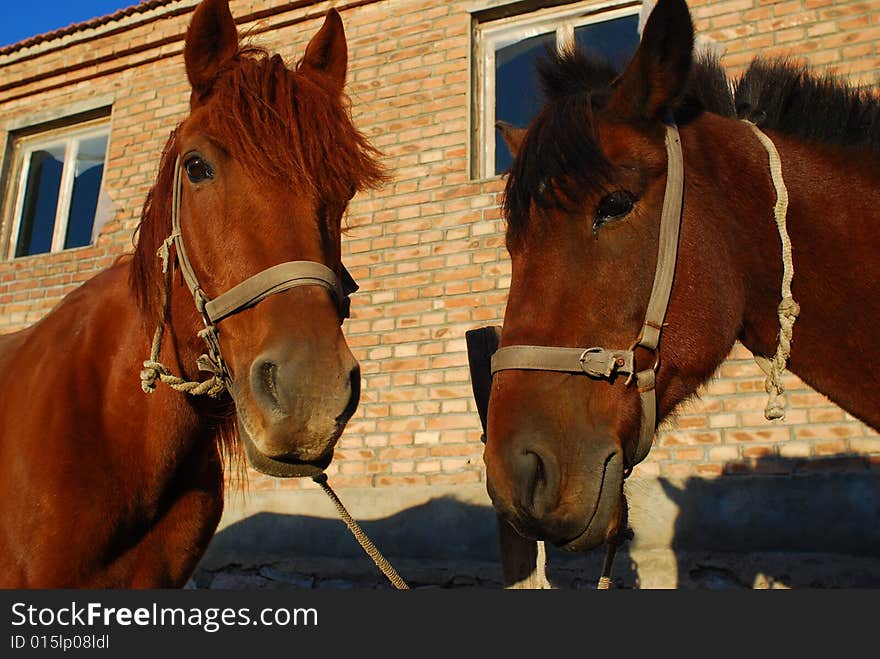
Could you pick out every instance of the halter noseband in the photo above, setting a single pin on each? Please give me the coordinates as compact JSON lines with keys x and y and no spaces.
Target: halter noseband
{"x":251,"y":291}
{"x":603,"y":363}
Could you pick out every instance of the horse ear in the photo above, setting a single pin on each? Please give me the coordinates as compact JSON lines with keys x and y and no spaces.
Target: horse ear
{"x":657,"y":74}
{"x":211,"y":40}
{"x":327,"y":52}
{"x":513,"y":136}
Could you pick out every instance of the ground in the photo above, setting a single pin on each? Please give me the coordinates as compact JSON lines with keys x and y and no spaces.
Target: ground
{"x":654,"y":569}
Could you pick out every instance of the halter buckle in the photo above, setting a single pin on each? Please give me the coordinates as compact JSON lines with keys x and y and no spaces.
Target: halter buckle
{"x":609,"y":366}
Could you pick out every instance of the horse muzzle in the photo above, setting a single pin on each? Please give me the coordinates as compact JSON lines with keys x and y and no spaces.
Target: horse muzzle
{"x":292,"y":408}
{"x":575,"y":506}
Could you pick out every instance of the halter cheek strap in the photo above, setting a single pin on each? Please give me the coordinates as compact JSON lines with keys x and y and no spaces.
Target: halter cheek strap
{"x":276,"y":279}
{"x":607,"y":364}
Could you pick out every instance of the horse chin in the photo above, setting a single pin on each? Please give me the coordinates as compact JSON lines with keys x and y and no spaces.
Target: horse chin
{"x":602,"y":523}
{"x":281,"y":467}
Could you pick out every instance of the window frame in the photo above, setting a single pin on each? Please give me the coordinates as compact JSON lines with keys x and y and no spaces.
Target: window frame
{"x":490,"y":35}
{"x":23,"y":145}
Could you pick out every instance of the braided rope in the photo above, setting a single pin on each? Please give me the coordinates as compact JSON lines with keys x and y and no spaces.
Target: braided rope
{"x":154,"y":370}
{"x":788,"y":309}
{"x":367,"y":545}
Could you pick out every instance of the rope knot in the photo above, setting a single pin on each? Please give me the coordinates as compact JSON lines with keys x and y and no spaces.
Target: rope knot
{"x":152,"y":371}
{"x":164,"y":251}
{"x":789,"y":309}
{"x":775,"y":410}
{"x":214,"y":387}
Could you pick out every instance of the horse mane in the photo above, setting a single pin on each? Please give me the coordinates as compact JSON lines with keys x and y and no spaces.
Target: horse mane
{"x":559,"y":161}
{"x":280,"y":124}
{"x":781,"y":95}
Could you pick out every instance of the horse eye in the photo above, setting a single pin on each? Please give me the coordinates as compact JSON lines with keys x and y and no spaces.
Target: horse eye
{"x":197,"y":169}
{"x":614,"y":206}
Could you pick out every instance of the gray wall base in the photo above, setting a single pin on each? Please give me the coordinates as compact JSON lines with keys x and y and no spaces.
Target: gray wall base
{"x":700,"y":530}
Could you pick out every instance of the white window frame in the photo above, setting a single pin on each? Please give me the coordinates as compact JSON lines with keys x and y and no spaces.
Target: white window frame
{"x":492,"y":35}
{"x":24,"y":146}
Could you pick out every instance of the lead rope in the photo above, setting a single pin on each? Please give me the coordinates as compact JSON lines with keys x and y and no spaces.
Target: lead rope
{"x":605,"y":579}
{"x":619,"y":538}
{"x":788,"y":309}
{"x":367,"y":545}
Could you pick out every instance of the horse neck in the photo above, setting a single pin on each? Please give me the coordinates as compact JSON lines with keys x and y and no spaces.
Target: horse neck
{"x":833,"y":214}
{"x":88,"y":352}
{"x":160,"y":428}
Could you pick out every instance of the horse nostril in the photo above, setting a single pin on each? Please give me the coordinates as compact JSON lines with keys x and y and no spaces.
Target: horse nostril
{"x":540,"y":482}
{"x":354,"y":378}
{"x":265,"y":384}
{"x":536,"y":489}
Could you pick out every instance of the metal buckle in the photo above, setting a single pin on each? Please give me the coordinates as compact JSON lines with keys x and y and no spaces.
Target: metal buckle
{"x":635,"y":369}
{"x":611,"y":365}
{"x":582,"y":359}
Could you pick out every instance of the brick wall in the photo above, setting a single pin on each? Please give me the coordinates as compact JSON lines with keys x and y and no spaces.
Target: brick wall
{"x":428,"y":249}
{"x":838,"y":36}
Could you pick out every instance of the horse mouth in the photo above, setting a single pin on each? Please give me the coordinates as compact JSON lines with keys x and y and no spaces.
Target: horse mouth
{"x":596,"y":530}
{"x":283,"y":467}
{"x":279,"y":467}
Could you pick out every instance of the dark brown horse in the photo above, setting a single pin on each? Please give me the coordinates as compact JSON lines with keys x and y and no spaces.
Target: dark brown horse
{"x":583,"y":205}
{"x":104,"y":486}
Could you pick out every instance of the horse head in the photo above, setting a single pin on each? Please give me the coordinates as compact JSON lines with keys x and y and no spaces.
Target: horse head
{"x":265,"y":165}
{"x":583,"y":201}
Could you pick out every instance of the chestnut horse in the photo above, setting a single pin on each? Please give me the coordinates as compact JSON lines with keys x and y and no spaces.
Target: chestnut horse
{"x":103,"y":486}
{"x":583,"y":206}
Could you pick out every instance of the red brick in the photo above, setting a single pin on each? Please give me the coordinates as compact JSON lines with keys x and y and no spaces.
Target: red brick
{"x":428,"y":248}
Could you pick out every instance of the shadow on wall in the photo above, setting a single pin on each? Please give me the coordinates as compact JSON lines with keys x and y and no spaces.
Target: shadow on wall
{"x":442,"y":529}
{"x":773,"y":507}
{"x":728,"y":532}
{"x":443,"y":543}
{"x":767,"y":523}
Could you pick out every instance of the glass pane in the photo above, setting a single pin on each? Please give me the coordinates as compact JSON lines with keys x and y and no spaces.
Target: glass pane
{"x":40,"y":201}
{"x":86,"y":186}
{"x":614,"y":40}
{"x":517,"y":98}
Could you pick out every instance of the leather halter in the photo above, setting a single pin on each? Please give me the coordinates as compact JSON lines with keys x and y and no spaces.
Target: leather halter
{"x":603,"y":363}
{"x":275,"y":279}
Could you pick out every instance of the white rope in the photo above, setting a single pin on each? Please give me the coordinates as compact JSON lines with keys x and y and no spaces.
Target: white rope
{"x":788,"y":309}
{"x":541,"y":581}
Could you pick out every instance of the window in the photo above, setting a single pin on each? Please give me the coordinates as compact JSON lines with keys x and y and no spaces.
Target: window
{"x":57,"y":178}
{"x":506,"y":49}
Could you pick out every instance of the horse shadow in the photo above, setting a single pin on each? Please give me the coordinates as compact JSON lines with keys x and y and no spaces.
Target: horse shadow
{"x":297,"y":549}
{"x":442,"y":543}
{"x":779,"y":522}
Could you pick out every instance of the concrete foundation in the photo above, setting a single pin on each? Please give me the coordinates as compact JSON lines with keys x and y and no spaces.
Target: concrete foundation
{"x":810,"y":530}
